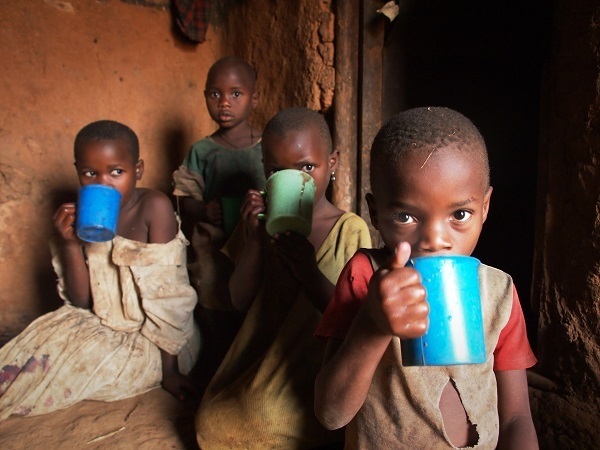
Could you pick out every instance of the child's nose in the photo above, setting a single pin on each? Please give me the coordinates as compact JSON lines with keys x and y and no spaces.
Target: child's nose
{"x":105,"y":180}
{"x":434,"y":238}
{"x":223,"y":100}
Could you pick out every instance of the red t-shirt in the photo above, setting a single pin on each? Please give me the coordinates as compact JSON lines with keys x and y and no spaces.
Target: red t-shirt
{"x":512,"y":352}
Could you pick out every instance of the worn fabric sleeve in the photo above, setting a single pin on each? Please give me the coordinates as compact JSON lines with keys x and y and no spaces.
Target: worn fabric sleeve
{"x":349,"y":294}
{"x":168,"y":300}
{"x":513,"y":351}
{"x":187,"y":183}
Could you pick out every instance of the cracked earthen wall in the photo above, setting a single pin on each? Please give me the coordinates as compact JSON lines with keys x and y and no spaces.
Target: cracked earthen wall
{"x":566,"y":403}
{"x":291,"y":45}
{"x":67,"y":63}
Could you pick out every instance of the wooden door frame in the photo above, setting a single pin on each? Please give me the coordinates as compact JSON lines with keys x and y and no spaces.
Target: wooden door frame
{"x":357,"y":104}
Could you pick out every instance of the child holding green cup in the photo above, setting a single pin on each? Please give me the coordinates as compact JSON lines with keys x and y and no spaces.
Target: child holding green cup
{"x":283,"y":278}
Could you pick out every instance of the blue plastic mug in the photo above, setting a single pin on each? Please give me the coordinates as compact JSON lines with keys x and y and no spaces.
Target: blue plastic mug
{"x":97,"y":213}
{"x":455,"y":334}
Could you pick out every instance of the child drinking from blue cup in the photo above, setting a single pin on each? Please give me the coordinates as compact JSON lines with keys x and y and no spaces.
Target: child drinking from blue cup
{"x":430,"y":196}
{"x":126,"y":326}
{"x":262,"y":394}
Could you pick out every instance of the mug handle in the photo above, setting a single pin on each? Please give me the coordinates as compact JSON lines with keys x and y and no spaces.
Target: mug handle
{"x":262,"y":216}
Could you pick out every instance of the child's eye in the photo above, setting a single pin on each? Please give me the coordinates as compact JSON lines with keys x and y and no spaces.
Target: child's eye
{"x":308,"y":167}
{"x":461,"y":215}
{"x":237,"y":94}
{"x":88,"y":173}
{"x":213,"y":94}
{"x":115,"y":172}
{"x":404,"y":218}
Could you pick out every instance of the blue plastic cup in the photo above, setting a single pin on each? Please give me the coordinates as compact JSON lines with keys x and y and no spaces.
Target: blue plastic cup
{"x":455,"y":334}
{"x":97,"y":213}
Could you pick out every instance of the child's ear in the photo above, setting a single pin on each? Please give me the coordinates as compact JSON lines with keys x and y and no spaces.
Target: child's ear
{"x":139,"y":169}
{"x":255,"y":97}
{"x":486,"y":202}
{"x":372,"y":210}
{"x":333,"y":160}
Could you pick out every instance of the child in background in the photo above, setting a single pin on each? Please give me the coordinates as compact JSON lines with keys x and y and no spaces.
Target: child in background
{"x":127,"y":324}
{"x":227,"y":163}
{"x":261,"y":396}
{"x":209,"y":187}
{"x":430,"y":195}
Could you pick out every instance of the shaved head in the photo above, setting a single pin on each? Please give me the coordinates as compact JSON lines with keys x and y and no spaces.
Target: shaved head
{"x":244,"y":70}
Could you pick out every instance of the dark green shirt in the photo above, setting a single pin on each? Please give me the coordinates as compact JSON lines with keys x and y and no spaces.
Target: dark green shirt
{"x":226,"y":171}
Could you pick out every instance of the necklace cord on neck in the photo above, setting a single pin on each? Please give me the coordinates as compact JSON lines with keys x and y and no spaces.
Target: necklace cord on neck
{"x":220,"y":135}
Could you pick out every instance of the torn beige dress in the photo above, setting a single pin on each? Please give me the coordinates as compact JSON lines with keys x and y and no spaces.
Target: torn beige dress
{"x":402,"y":407}
{"x":142,"y":302}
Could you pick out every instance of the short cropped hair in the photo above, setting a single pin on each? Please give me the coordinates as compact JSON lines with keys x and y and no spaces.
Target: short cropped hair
{"x":426,"y":129}
{"x":233,"y":61}
{"x":299,"y":119}
{"x":107,"y":130}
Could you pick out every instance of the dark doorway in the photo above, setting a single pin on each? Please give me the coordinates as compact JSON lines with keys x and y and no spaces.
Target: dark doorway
{"x":484,"y":59}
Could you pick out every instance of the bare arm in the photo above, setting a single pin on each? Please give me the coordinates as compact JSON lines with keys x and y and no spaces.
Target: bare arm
{"x":173,"y":381}
{"x":516,"y":424}
{"x":77,"y":277}
{"x":246,"y":277}
{"x":345,"y":378}
{"x":198,"y":211}
{"x":395,"y":305}
{"x":162,"y":225}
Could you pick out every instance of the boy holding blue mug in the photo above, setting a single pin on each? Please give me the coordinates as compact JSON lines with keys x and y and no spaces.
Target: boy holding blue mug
{"x":430,"y":196}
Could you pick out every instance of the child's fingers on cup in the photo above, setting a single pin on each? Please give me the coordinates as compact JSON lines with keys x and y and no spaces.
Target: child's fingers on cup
{"x":392,"y":281}
{"x":252,"y":194}
{"x":65,"y":218}
{"x":251,"y":210}
{"x":252,"y":197}
{"x":64,"y":224}
{"x":401,"y":299}
{"x":65,"y":208}
{"x":410,"y":330}
{"x":408,"y":301}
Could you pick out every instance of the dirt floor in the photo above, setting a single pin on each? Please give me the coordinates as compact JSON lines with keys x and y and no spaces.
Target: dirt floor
{"x":154,"y":420}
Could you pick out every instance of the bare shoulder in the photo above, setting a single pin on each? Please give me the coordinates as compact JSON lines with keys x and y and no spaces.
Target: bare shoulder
{"x":157,"y":209}
{"x":154,"y":200}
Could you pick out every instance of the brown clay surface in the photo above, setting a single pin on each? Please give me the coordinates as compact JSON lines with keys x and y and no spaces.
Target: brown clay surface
{"x":154,"y":420}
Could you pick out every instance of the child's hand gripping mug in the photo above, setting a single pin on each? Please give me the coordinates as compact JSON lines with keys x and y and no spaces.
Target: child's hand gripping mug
{"x":290,"y":195}
{"x":455,"y":334}
{"x":97,"y":213}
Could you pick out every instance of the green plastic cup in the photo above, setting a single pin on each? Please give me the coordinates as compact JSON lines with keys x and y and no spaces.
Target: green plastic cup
{"x":290,"y":195}
{"x":230,"y":206}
